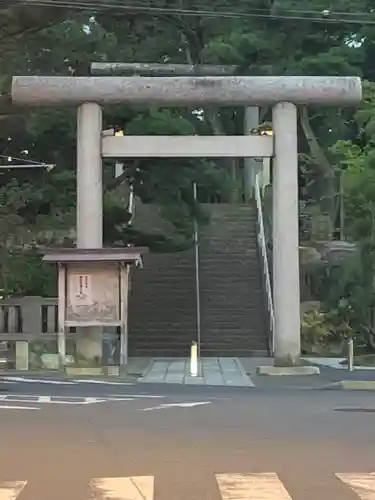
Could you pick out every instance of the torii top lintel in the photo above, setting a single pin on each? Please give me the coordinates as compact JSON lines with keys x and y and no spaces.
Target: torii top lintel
{"x":184,"y":91}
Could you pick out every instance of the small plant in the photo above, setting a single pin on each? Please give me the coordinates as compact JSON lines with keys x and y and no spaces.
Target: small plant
{"x":316,"y":329}
{"x":324,"y":333}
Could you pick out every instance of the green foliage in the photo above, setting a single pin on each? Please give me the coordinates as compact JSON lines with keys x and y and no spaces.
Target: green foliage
{"x":323,"y":333}
{"x":27,"y":274}
{"x":356,"y":158}
{"x":348,"y":288}
{"x":315,"y":328}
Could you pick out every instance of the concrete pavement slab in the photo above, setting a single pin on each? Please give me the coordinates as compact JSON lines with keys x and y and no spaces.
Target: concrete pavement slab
{"x":193,"y":380}
{"x":214,"y":378}
{"x":157,"y":372}
{"x":213,"y":371}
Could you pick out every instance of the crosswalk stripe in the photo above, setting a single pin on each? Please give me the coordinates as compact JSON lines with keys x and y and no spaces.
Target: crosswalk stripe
{"x":233,"y":486}
{"x":11,"y":489}
{"x":261,"y":486}
{"x":123,"y":488}
{"x":362,"y":484}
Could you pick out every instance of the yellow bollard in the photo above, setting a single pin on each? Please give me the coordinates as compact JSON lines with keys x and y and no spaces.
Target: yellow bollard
{"x":194,"y":360}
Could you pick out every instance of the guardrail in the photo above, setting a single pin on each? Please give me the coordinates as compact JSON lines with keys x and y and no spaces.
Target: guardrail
{"x":265,"y":265}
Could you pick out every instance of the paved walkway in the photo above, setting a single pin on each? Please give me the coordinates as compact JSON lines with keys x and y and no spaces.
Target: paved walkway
{"x":213,"y":371}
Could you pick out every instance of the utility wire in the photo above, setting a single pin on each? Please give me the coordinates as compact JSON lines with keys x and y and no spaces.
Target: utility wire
{"x":311,"y":16}
{"x":21,"y":159}
{"x":28,"y":163}
{"x":151,"y":4}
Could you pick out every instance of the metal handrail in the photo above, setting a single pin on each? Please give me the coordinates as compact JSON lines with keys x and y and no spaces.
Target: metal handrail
{"x":263,"y":251}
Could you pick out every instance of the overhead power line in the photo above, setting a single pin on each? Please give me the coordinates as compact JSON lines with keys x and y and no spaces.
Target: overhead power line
{"x":325,"y":16}
{"x":26,"y":163}
{"x":194,"y":6}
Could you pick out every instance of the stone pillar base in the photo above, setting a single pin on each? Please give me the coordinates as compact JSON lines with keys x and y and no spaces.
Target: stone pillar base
{"x":22,"y":355}
{"x":89,"y":345}
{"x":287,"y":361}
{"x":289,"y":371}
{"x":106,"y":371}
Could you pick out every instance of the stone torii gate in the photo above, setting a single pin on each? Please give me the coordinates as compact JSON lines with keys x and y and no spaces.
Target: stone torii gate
{"x":283,"y":93}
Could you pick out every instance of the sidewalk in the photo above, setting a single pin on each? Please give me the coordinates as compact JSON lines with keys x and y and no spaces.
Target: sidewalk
{"x":223,"y":372}
{"x":333,"y":375}
{"x":213,"y":371}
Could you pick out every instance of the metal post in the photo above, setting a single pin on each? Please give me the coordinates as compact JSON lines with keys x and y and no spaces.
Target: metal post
{"x":342,"y":206}
{"x":89,"y":205}
{"x":61,"y":343}
{"x":251,"y":166}
{"x":286,"y":284}
{"x":197,"y":278}
{"x":124,"y":290}
{"x":350,"y":354}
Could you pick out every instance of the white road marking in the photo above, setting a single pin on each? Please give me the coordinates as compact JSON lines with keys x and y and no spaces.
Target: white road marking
{"x":103,"y":382}
{"x":62,"y":400}
{"x":37,"y":381}
{"x":123,"y":488}
{"x":147,"y":396}
{"x":362,"y":484}
{"x":119,"y":400}
{"x":11,"y":489}
{"x":90,"y":401}
{"x":84,"y":401}
{"x":12,"y":407}
{"x":261,"y":486}
{"x":177,"y":405}
{"x":71,"y":400}
{"x":44,"y":399}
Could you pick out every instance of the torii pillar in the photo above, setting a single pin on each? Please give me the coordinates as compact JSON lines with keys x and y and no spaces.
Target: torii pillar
{"x":89,"y":206}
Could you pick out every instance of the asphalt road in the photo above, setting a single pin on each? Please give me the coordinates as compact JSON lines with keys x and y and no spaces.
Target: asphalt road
{"x":85,"y":441}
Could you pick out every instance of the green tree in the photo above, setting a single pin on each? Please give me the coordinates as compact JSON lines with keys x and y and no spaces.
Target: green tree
{"x":254,"y":43}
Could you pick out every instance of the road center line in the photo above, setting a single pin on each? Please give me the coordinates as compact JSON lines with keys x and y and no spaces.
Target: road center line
{"x":151,"y":396}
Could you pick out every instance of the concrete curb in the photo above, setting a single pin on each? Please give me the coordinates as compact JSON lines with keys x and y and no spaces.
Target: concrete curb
{"x":358,"y":385}
{"x":280,"y":371}
{"x":62,"y":376}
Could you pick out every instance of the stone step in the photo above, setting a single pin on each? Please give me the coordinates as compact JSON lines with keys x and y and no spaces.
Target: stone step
{"x":232,"y":297}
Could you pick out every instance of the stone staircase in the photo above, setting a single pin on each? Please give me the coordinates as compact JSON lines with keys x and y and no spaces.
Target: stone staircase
{"x":162,"y":311}
{"x":232,"y":300}
{"x":162,"y":306}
